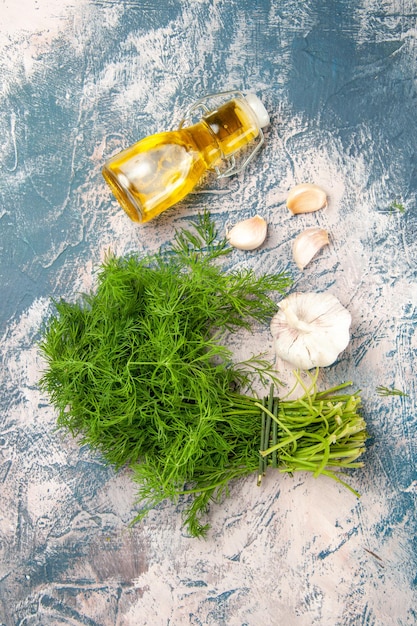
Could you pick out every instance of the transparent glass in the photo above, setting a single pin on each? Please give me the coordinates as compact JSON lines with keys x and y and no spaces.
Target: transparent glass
{"x":157,"y":172}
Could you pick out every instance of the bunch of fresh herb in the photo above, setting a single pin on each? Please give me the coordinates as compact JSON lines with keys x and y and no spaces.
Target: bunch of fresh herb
{"x":139,"y":370}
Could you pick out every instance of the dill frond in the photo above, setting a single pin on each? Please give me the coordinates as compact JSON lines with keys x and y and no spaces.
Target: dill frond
{"x":386,"y":391}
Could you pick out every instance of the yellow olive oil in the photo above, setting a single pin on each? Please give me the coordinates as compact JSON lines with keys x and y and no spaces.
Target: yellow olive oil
{"x":159,"y":171}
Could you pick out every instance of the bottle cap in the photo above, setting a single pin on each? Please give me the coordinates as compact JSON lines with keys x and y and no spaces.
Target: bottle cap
{"x":258,"y":109}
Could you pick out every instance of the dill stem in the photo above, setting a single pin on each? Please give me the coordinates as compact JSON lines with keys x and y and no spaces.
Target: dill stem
{"x":261,"y":469}
{"x":269,"y":402}
{"x":275,"y":435}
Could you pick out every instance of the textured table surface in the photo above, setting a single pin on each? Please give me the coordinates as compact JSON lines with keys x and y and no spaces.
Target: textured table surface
{"x":81,"y":79}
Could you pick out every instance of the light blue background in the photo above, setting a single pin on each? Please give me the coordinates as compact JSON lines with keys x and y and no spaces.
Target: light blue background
{"x":81,"y":80}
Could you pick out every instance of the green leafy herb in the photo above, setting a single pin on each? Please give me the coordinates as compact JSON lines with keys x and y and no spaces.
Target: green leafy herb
{"x":385,"y":391}
{"x":139,"y":371}
{"x":397,"y":206}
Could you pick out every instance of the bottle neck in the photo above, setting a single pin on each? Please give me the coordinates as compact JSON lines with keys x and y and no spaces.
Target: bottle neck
{"x":206,"y":144}
{"x":233,"y":125}
{"x":224,"y":131}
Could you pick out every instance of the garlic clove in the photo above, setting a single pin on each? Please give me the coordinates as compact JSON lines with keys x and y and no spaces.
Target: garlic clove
{"x":248,"y":234}
{"x":306,"y":198}
{"x":310,"y":329}
{"x":307,"y":244}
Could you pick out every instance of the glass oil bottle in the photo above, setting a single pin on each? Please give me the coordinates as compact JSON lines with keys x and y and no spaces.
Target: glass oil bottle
{"x":160,"y":170}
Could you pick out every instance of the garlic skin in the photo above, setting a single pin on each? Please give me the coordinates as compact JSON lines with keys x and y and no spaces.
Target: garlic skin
{"x":248,"y":234}
{"x":307,"y":244}
{"x":310,"y":329}
{"x":306,"y":198}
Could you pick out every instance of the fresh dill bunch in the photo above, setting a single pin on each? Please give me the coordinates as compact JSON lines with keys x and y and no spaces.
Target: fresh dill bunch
{"x":139,"y":371}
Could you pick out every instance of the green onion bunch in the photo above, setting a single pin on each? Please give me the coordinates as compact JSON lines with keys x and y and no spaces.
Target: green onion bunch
{"x":139,"y":371}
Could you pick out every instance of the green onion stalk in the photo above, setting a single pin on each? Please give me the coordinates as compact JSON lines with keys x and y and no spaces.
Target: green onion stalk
{"x":140,"y":371}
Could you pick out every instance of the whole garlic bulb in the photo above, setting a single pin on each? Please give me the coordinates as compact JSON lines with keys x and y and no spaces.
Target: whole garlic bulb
{"x":310,"y":329}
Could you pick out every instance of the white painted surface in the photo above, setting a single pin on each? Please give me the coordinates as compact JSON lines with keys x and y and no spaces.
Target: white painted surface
{"x":82,"y":80}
